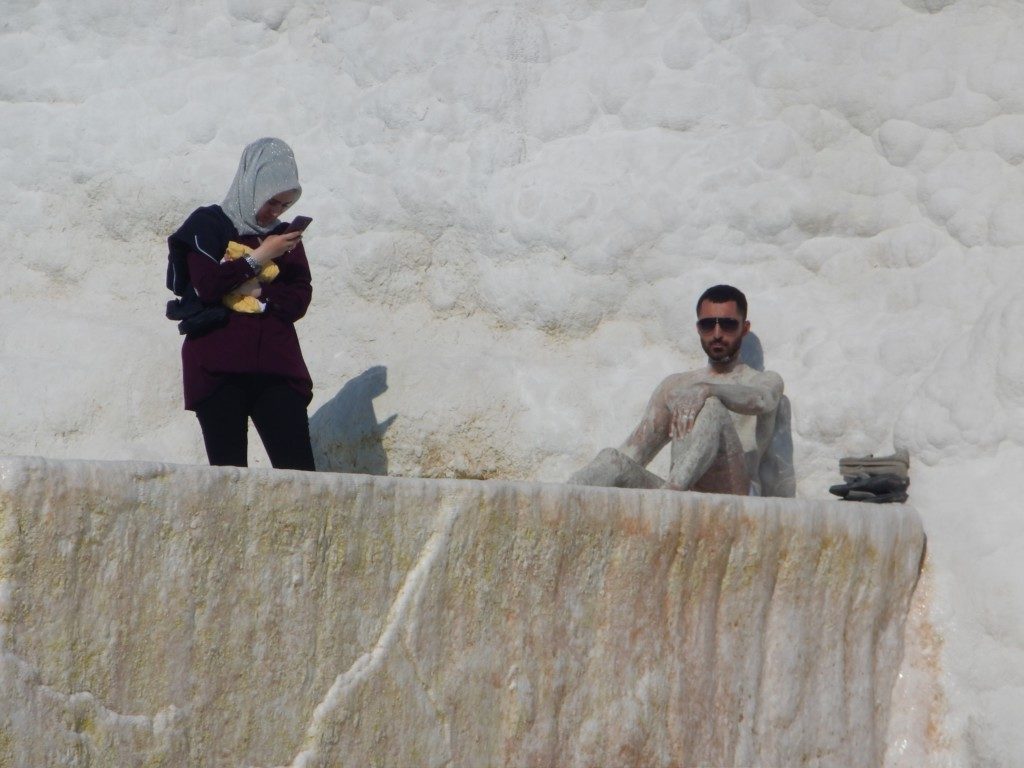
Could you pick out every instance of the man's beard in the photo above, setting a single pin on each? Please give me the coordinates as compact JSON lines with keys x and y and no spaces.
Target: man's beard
{"x":725,"y":353}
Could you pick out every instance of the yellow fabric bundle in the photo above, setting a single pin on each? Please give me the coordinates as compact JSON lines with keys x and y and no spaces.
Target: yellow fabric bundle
{"x":236,"y":301}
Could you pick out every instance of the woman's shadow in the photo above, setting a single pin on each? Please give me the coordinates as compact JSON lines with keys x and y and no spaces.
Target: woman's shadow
{"x":344,"y":431}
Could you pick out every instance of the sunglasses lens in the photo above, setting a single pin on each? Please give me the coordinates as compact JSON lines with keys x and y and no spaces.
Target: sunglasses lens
{"x":727,"y":324}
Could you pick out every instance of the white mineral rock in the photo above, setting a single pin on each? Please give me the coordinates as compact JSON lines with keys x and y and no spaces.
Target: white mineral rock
{"x":516,"y":206}
{"x":166,"y":615}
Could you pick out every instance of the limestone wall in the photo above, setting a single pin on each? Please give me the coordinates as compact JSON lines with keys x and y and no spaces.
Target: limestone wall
{"x":160,"y":615}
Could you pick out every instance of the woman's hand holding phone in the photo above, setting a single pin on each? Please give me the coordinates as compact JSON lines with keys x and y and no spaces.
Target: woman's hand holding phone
{"x":299,"y":224}
{"x":275,"y":245}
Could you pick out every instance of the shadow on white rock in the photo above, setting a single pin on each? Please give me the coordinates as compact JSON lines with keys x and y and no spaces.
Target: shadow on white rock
{"x":344,"y":431}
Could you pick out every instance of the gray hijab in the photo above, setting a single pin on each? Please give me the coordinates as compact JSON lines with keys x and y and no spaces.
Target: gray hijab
{"x":267,"y":168}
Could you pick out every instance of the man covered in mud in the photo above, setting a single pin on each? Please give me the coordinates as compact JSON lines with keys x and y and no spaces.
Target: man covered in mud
{"x":719,"y":419}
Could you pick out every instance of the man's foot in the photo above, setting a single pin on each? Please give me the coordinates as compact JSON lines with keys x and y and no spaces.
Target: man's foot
{"x":611,"y":469}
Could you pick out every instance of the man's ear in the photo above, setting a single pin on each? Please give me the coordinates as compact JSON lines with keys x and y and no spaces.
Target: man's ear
{"x":746,"y":327}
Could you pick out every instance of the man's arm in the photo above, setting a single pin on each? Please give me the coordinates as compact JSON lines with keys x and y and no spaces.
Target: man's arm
{"x":652,"y":433}
{"x":686,"y":400}
{"x":760,"y":397}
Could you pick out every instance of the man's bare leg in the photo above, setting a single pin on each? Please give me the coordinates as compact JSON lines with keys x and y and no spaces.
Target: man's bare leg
{"x":612,"y":469}
{"x":709,"y":457}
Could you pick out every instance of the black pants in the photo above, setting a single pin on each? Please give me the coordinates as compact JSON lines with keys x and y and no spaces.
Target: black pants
{"x":277,"y":411}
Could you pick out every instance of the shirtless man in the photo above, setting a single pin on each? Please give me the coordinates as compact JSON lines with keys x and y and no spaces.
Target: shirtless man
{"x":719,"y":419}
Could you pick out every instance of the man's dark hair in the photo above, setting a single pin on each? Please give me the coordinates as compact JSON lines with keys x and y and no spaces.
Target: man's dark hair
{"x":719,"y":294}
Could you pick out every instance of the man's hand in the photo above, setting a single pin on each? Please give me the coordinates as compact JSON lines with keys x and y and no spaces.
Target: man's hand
{"x":684,"y":407}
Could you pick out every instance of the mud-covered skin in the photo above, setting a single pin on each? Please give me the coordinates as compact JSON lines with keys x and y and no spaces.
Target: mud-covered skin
{"x":706,"y":416}
{"x":719,"y":421}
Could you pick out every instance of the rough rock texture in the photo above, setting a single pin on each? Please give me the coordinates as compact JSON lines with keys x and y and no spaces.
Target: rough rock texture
{"x":158,"y":615}
{"x":517,"y":203}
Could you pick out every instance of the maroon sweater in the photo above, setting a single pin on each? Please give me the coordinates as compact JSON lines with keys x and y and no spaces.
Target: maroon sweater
{"x":258,"y":343}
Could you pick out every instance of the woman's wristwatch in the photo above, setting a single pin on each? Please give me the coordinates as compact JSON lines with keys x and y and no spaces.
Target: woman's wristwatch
{"x":251,"y":261}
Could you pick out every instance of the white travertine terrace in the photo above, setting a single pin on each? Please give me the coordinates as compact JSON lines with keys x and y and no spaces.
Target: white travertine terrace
{"x":516,"y":204}
{"x":162,"y":615}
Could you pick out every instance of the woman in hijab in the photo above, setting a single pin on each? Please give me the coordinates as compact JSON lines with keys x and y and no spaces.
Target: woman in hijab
{"x":248,"y":364}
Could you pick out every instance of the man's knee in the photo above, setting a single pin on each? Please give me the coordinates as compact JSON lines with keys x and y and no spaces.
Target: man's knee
{"x":715,"y":411}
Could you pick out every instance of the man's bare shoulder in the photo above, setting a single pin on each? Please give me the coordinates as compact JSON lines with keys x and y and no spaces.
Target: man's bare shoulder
{"x":684,"y":377}
{"x":675,"y":384}
{"x":741,"y":374}
{"x":674,"y":381}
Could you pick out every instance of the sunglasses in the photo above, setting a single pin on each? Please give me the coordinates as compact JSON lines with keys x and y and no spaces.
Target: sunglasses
{"x":727,"y":324}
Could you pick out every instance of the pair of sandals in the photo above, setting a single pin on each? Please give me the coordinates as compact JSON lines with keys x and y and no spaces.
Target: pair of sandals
{"x":875,"y":489}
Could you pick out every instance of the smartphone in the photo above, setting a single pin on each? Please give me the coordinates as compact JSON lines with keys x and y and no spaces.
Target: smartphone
{"x":299,"y":224}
